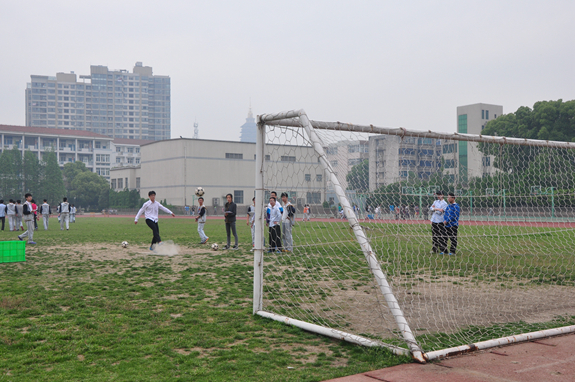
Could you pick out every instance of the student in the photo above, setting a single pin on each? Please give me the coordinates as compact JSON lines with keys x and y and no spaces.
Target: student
{"x":11,"y":213}
{"x":19,"y":214}
{"x":2,"y":213}
{"x":306,"y":212}
{"x":72,"y":214}
{"x":230,"y":210}
{"x":451,"y":222}
{"x":251,"y":220}
{"x":288,"y":220}
{"x":437,"y":227}
{"x":35,"y":209}
{"x":275,"y":234}
{"x":201,"y":219}
{"x":64,"y":211}
{"x":46,"y":211}
{"x":150,"y":211}
{"x":28,"y":214}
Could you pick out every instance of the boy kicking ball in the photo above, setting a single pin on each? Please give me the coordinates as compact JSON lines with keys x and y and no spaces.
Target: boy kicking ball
{"x":150,"y":211}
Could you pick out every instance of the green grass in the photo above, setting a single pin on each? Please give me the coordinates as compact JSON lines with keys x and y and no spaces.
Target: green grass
{"x":74,"y":312}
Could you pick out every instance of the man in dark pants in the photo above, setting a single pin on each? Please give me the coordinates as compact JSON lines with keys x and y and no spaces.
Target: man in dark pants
{"x":230,"y":211}
{"x":451,"y":222}
{"x":437,"y":227}
{"x":150,"y":209}
{"x":2,"y":213}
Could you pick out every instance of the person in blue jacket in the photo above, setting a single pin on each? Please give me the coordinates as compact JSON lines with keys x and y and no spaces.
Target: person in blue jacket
{"x":451,"y":222}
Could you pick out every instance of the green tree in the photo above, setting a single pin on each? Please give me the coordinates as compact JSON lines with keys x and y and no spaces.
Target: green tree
{"x":70,"y":171}
{"x":358,"y":177}
{"x":87,"y":188}
{"x":32,"y":173}
{"x":11,"y":168}
{"x":53,"y":182}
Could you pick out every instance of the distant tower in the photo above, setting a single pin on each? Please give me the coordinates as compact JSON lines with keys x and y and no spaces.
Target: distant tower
{"x":249,"y":129}
{"x":196,"y":131}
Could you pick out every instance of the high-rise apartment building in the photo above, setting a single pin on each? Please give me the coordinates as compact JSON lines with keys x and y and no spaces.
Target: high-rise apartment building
{"x":115,"y":103}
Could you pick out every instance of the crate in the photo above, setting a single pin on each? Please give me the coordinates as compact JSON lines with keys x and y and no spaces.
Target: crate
{"x":12,"y":251}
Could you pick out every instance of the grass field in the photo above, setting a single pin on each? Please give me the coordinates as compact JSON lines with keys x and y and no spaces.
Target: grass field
{"x":83,"y":308}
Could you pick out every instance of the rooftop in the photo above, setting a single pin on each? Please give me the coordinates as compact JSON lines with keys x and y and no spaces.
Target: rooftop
{"x":51,"y":131}
{"x":138,"y":142}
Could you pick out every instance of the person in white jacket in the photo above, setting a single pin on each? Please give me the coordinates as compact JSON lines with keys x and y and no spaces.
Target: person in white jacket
{"x":150,"y":210}
{"x":437,"y":227}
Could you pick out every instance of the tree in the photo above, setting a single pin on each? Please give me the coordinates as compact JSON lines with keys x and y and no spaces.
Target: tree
{"x":71,"y":170}
{"x":10,"y":170}
{"x":32,"y":173}
{"x":53,"y":182}
{"x":87,"y":188}
{"x":358,"y":177}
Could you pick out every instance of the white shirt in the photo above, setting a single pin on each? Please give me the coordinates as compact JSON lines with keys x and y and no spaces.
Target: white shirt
{"x":275,"y":215}
{"x":285,"y":212}
{"x":45,"y":208}
{"x":437,"y":216}
{"x":252,"y":213}
{"x":64,"y":208}
{"x":2,"y":210}
{"x":150,"y":210}
{"x":11,"y":209}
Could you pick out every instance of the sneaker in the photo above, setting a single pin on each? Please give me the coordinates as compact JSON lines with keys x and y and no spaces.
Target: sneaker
{"x":32,"y":242}
{"x":226,"y":247}
{"x":253,"y":249}
{"x":19,"y":238}
{"x":236,"y":247}
{"x":451,"y":254}
{"x":151,"y":248}
{"x":442,"y":253}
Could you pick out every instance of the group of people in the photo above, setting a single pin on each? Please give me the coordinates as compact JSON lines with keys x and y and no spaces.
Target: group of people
{"x":29,"y":214}
{"x":444,"y":223}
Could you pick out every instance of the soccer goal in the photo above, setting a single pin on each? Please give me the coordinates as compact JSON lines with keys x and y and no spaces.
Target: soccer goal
{"x":366,"y":269}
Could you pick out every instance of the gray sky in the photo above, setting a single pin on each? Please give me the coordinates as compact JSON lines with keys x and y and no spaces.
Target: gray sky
{"x":387,"y":63}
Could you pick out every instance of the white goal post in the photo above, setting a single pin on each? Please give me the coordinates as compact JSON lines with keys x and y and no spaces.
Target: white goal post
{"x":326,"y":287}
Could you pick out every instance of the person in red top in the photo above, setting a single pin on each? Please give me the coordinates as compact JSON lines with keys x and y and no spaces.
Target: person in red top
{"x":35,"y":210}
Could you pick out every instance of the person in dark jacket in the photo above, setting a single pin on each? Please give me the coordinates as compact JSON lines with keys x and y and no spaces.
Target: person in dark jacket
{"x":230,"y":211}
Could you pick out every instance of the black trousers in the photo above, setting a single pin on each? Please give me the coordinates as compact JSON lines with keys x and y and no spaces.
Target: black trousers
{"x":3,"y":218}
{"x":155,"y":230}
{"x":451,"y":234}
{"x":438,"y":237}
{"x":275,"y":237}
{"x":231,"y":227}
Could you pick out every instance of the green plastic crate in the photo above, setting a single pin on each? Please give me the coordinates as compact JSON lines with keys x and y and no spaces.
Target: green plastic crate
{"x":12,"y":251}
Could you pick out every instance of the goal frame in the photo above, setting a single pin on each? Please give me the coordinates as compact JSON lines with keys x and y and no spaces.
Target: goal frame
{"x":299,"y":119}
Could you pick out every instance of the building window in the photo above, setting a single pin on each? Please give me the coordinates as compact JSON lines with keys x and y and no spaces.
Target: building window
{"x":353,"y":148}
{"x":331,"y":150}
{"x":333,"y":163}
{"x":486,"y":114}
{"x":120,"y":184}
{"x":318,"y":177}
{"x":138,"y":183}
{"x":113,"y":184}
{"x":234,"y":156}
{"x":98,"y":145}
{"x":353,"y":161}
{"x":286,"y":158}
{"x":482,"y":114}
{"x":308,"y":177}
{"x":239,"y":196}
{"x":313,"y":197}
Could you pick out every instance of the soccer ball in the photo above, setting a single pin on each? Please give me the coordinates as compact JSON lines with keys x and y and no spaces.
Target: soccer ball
{"x":199,"y":191}
{"x":124,"y":244}
{"x":215,"y":247}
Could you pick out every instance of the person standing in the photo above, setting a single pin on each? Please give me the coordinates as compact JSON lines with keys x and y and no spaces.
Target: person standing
{"x":19,"y":214}
{"x":64,"y":212}
{"x":72,"y":213}
{"x":28,"y":214}
{"x":275,"y":218}
{"x":46,"y":211}
{"x":288,"y":220}
{"x":437,"y":227}
{"x":251,"y":220}
{"x":35,"y":209}
{"x":230,"y":211}
{"x":451,"y":222}
{"x":2,"y":213}
{"x":150,"y":210}
{"x":11,"y":213}
{"x":201,"y":219}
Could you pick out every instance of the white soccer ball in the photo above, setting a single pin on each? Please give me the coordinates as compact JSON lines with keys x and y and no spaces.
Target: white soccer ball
{"x":199,"y":191}
{"x":215,"y":247}
{"x":124,"y":244}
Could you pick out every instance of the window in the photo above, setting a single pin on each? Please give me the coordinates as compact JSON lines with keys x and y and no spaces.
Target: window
{"x":138,"y":183}
{"x":234,"y":156}
{"x":239,"y":196}
{"x":308,"y":177}
{"x":486,"y":114}
{"x":287,"y":158}
{"x":482,"y":114}
{"x":331,"y":150}
{"x":333,"y":163}
{"x":313,"y":197}
{"x":403,"y":174}
{"x":113,"y":184}
{"x":353,"y":148}
{"x":353,"y":162}
{"x":406,"y":162}
{"x":318,"y":177}
{"x":405,"y":151}
{"x":450,"y":148}
{"x":120,"y":184}
{"x":118,"y":160}
{"x":450,"y":163}
{"x":130,"y":149}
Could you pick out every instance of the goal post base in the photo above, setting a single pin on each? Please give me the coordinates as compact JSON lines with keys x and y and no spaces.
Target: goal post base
{"x":438,"y":354}
{"x":334,"y":333}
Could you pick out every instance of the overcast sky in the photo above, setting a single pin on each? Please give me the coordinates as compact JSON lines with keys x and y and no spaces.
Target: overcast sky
{"x":387,"y":63}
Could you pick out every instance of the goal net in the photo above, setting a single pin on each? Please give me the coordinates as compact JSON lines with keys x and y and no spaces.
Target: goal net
{"x":362,"y":261}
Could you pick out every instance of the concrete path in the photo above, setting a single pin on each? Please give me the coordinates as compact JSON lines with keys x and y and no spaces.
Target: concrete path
{"x":551,"y":359}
